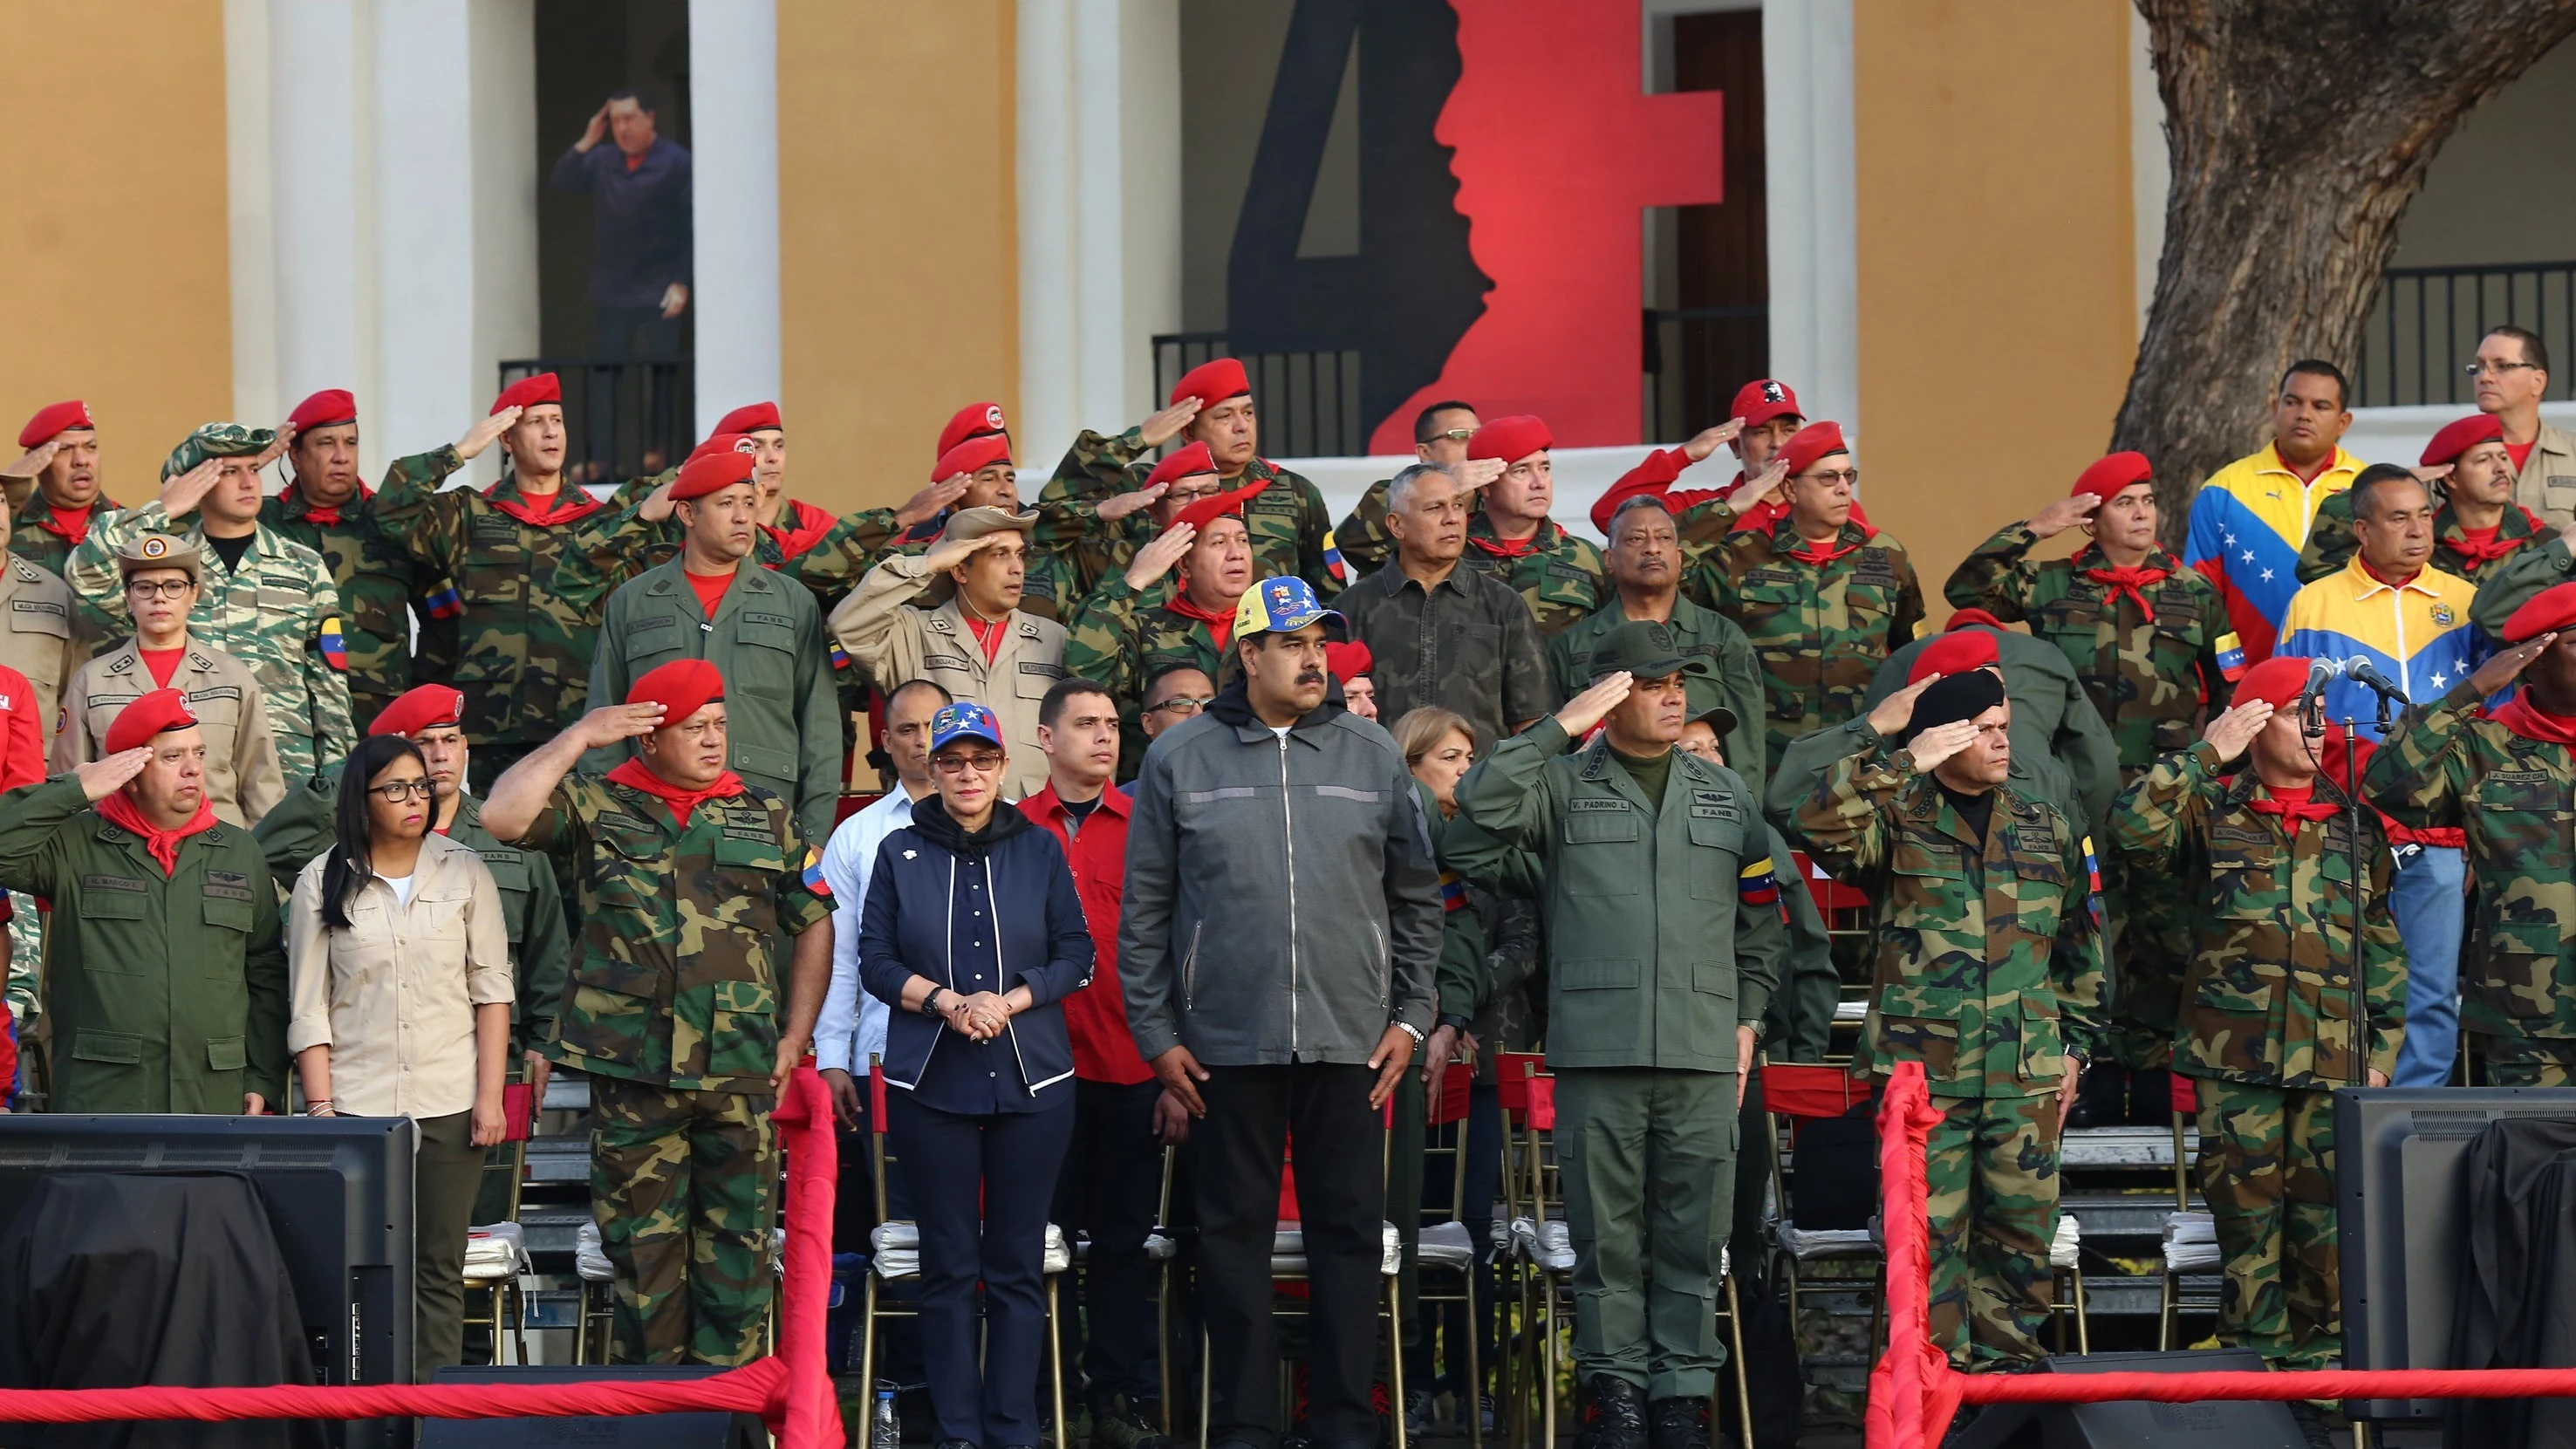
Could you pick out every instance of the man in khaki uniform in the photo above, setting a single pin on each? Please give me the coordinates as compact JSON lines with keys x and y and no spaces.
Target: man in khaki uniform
{"x":2510,"y":376}
{"x":976,"y":643}
{"x":44,"y":634}
{"x":161,"y":582}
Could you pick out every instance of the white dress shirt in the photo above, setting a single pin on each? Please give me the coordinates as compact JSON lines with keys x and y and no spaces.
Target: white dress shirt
{"x":853,"y":1024}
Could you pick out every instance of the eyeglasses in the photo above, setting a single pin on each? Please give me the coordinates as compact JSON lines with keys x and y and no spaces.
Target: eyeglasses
{"x":1182,"y":704}
{"x":397,"y":791}
{"x":160,"y":588}
{"x":982,"y":762}
{"x":1848,"y":475}
{"x":2488,"y":364}
{"x":1455,"y":435}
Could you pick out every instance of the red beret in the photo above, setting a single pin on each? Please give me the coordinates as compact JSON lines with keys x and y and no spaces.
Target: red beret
{"x":1186,"y":462}
{"x":719,"y":462}
{"x":1955,"y":653}
{"x":759,"y":417}
{"x":682,"y":687}
{"x":2457,"y":438}
{"x":2107,"y":477}
{"x":1510,"y":439}
{"x":1964,"y":618}
{"x":2551,"y":608}
{"x":422,"y":707}
{"x":975,"y":420}
{"x":2276,"y":681}
{"x":1761,"y":400}
{"x":328,"y":408}
{"x":1206,"y":510}
{"x":1348,"y":661}
{"x":1213,"y":382}
{"x":59,"y":417}
{"x":137,"y":723}
{"x":1815,"y":440}
{"x":527,"y":392}
{"x":981,"y":451}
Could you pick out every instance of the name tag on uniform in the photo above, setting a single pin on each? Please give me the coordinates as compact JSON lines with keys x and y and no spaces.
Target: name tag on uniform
{"x":781,"y":620}
{"x":652,"y":621}
{"x":1712,"y":805}
{"x":2240,"y":834}
{"x":1770,"y":576}
{"x":2519,"y":777}
{"x":1051,"y":671}
{"x":624,"y":821}
{"x":220,"y":691}
{"x":941,"y":661}
{"x":494,"y":528}
{"x":744,"y":832}
{"x":112,"y":883}
{"x":1568,"y":572}
{"x":2035,"y":840}
{"x":1580,"y":806}
{"x":229,"y":885}
{"x":1874,"y":567}
{"x":36,"y":606}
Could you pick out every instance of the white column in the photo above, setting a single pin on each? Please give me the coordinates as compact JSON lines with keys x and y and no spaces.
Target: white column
{"x":733,"y":111}
{"x":1050,"y":405}
{"x":501,"y":147}
{"x":319,"y":129}
{"x":1815,"y":266}
{"x":423,"y":231}
{"x":251,"y":230}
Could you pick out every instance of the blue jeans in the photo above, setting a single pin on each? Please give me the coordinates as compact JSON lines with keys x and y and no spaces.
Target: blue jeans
{"x":2430,"y":910}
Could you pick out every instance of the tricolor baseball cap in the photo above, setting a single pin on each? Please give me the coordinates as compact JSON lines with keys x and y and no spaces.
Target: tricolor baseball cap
{"x":1285,"y":604}
{"x":966,"y":720}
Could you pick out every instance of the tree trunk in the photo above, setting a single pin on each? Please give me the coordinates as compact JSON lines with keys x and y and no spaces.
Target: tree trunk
{"x":2298,"y":133}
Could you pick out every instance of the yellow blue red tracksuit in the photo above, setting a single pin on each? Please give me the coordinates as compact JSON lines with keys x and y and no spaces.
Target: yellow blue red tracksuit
{"x":2248,"y":523}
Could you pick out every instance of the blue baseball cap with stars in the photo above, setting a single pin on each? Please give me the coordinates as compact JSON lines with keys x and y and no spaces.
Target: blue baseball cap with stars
{"x":1285,"y":604}
{"x":966,"y":720}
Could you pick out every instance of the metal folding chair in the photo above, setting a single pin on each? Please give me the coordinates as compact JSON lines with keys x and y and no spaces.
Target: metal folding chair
{"x":2190,"y":1244}
{"x":496,"y":1256}
{"x":1446,"y":1244}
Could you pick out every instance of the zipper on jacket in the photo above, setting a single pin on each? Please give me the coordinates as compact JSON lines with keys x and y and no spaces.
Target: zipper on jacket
{"x":1002,"y":978}
{"x":1288,"y":824}
{"x":1190,"y":970}
{"x":1385,"y":968}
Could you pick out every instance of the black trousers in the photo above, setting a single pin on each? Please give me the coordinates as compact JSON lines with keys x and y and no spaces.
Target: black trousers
{"x":1111,"y":1187}
{"x":982,"y":1186}
{"x":1339,"y":1142}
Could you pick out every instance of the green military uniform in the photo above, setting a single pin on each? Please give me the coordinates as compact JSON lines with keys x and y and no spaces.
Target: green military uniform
{"x":673,"y":1014}
{"x":1989,"y":972}
{"x":277,"y":612}
{"x":1664,"y":937}
{"x":380,"y":591}
{"x":2267,"y":1025}
{"x":164,"y":993}
{"x":1123,"y":638}
{"x":1818,"y":629}
{"x":2448,"y":766}
{"x":42,"y":539}
{"x":1362,"y":542}
{"x":2332,"y":543}
{"x":1290,"y":528}
{"x":2511,"y":582}
{"x":614,"y":546}
{"x":1561,"y":577}
{"x":782,"y":718}
{"x":1721,"y":660}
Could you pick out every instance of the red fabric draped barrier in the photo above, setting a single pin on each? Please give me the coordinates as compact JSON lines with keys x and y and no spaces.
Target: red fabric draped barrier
{"x":792,"y":1392}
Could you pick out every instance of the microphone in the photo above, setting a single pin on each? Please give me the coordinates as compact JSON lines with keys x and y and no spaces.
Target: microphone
{"x":2360,"y":672}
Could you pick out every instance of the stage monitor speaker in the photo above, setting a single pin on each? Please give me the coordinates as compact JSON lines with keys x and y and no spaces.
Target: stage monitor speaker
{"x":633,"y":1431}
{"x":2136,"y":1424}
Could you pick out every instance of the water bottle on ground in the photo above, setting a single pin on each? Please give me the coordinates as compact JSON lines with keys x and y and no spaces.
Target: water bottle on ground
{"x":883,"y":1431}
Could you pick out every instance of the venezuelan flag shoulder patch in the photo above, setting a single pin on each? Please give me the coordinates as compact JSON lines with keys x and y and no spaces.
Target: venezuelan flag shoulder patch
{"x":2093,"y":879}
{"x":335,"y":650}
{"x":1333,"y":564}
{"x":1453,"y":892}
{"x":446,"y":603}
{"x":1756,"y":886}
{"x":2231,"y":656}
{"x":813,"y":874}
{"x":840,"y":657}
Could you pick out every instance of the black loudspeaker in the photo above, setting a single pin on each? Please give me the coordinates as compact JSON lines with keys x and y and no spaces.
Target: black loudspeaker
{"x":2132,"y":1424}
{"x":715,"y":1430}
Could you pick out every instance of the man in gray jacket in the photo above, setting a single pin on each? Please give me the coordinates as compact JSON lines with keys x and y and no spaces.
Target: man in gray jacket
{"x":1278,"y":941}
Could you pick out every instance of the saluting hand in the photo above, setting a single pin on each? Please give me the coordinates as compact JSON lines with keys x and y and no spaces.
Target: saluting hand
{"x":2507,"y":667}
{"x":1475,"y":473}
{"x":948,"y":553}
{"x":1160,"y":428}
{"x":1156,"y":558}
{"x":2236,"y":728}
{"x":1890,"y":714}
{"x":35,"y":460}
{"x":2064,"y":514}
{"x":1712,"y":439}
{"x":610,"y":723}
{"x":932,"y":501}
{"x":1114,"y":509}
{"x":480,"y":436}
{"x":185,"y":491}
{"x":1761,"y":485}
{"x":276,"y":448}
{"x":657,"y":505}
{"x":1587,"y":709}
{"x":1940,"y":742}
{"x":102,"y":778}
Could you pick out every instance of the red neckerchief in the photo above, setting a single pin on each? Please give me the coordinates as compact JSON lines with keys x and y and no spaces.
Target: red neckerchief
{"x":2479,"y":547}
{"x":2294,"y":806}
{"x":120,"y":809}
{"x":2131,"y":583}
{"x":569,"y":502}
{"x":2521,"y":716}
{"x":72,"y":527}
{"x":1510,"y":548}
{"x":319,"y":513}
{"x":987,"y":632}
{"x":1220,"y":627}
{"x":805,"y":527}
{"x":633,"y":775}
{"x":1821,"y":554}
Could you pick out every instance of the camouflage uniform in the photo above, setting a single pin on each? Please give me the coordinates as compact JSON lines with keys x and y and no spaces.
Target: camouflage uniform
{"x":1290,"y":530}
{"x":1362,"y":542}
{"x":380,"y":588}
{"x":1989,"y":973}
{"x":673,"y":1014}
{"x":616,"y":545}
{"x":2509,"y":583}
{"x":1707,"y":640}
{"x":523,"y":657}
{"x":2267,"y":1030}
{"x":2447,"y":765}
{"x":1561,"y":577}
{"x":35,"y":536}
{"x":1123,"y":639}
{"x":278,"y":613}
{"x":1818,"y":630}
{"x":2331,"y":542}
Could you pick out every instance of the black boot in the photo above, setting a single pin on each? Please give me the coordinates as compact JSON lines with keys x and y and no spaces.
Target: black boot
{"x":1614,"y":1416}
{"x":1678,"y":1424}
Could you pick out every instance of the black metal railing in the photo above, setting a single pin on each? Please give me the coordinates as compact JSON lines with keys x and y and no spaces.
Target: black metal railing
{"x":623,"y":418}
{"x":1696,"y":358}
{"x":2424,"y":329}
{"x":1308,"y":402}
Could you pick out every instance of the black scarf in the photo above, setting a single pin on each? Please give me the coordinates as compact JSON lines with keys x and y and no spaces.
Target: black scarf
{"x":931,"y":819}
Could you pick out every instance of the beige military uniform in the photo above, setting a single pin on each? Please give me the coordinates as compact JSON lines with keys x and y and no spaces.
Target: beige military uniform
{"x":242,"y":777}
{"x":897,"y":643}
{"x":42,"y":635}
{"x":2547,"y":483}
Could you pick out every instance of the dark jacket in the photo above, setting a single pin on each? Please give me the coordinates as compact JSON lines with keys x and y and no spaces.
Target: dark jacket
{"x":912,"y":926}
{"x":1282,"y":902}
{"x":1467,"y":644}
{"x":641,"y":226}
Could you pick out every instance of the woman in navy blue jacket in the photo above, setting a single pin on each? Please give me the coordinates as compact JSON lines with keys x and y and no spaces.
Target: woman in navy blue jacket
{"x":972,"y":932}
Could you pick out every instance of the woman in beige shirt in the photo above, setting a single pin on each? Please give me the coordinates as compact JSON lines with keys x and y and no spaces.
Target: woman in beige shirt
{"x":399,"y":967}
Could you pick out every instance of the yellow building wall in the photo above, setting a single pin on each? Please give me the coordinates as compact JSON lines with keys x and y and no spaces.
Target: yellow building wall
{"x":897,"y":235}
{"x":1998,"y":320}
{"x":113,"y":259}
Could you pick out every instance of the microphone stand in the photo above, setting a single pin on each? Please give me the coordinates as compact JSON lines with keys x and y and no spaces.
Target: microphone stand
{"x":2360,"y":1070}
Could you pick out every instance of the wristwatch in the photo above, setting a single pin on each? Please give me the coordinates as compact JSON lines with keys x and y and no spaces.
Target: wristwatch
{"x":1409,"y":1029}
{"x":930,"y":1003}
{"x":1459,"y":1024}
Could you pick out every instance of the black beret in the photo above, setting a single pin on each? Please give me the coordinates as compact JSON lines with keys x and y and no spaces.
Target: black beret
{"x":1955,"y":697}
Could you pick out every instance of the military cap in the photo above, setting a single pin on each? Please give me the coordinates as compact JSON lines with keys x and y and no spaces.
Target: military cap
{"x":1762,"y":399}
{"x":1187,"y":462}
{"x":420,"y":708}
{"x":328,"y":408}
{"x":527,"y":392}
{"x":1213,"y":382}
{"x":1955,"y":698}
{"x":717,"y":464}
{"x":155,"y":713}
{"x":216,"y":440}
{"x":759,"y":417}
{"x":2551,"y":608}
{"x":1641,"y":647}
{"x":53,"y":420}
{"x":1814,"y":441}
{"x":1956,"y":652}
{"x":974,"y":454}
{"x":2459,"y":437}
{"x":1349,"y":661}
{"x":2105,"y":477}
{"x":682,"y":687}
{"x":975,"y":420}
{"x":158,"y":551}
{"x":1203,"y":511}
{"x":1511,"y":439}
{"x":1285,"y":604}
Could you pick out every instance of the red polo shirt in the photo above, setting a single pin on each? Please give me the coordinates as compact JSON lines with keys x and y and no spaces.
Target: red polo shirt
{"x":1096,"y":1016}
